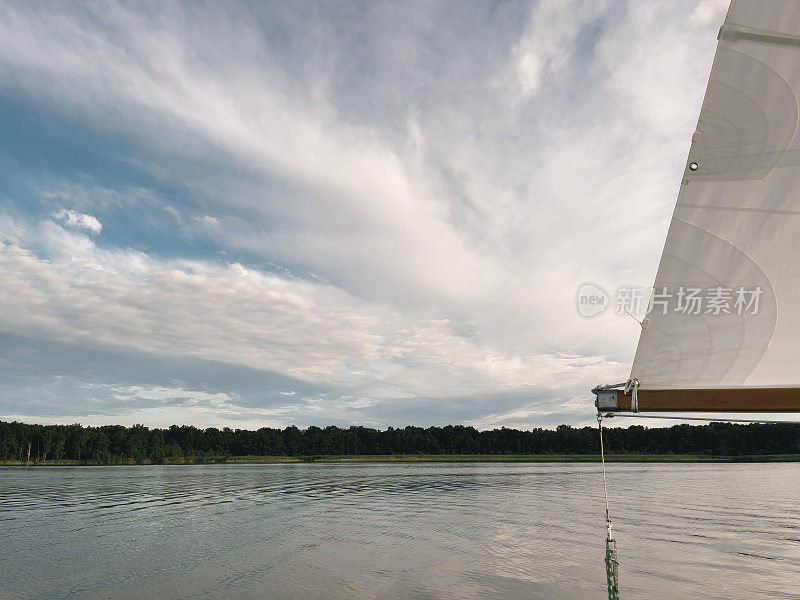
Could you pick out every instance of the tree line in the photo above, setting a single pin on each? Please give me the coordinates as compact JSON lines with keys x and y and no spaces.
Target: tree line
{"x":116,"y":444}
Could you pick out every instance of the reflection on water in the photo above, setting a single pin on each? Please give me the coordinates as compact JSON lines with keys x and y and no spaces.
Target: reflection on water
{"x":398,"y":531}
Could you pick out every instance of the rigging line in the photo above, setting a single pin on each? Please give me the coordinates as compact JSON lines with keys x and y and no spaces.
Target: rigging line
{"x":603,"y":461}
{"x":707,"y":419}
{"x":610,"y":387}
{"x":612,"y":565}
{"x":632,"y":386}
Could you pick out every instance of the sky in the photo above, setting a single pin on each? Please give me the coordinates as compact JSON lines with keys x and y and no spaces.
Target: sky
{"x":315,"y":213}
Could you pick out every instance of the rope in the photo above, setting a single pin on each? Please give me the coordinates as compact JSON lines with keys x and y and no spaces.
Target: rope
{"x":706,"y":419}
{"x":611,"y":546}
{"x":603,"y":461}
{"x":609,"y":387}
{"x":632,"y":385}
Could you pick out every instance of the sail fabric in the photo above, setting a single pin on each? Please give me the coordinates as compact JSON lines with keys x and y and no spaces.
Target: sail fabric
{"x":726,"y":300}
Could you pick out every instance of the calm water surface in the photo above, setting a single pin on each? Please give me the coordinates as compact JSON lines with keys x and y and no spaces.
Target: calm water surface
{"x":398,"y":531}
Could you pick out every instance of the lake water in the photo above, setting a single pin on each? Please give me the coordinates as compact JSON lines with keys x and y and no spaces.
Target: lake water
{"x":399,"y":531}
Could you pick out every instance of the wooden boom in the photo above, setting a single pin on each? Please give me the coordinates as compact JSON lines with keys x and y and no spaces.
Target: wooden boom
{"x":703,"y":400}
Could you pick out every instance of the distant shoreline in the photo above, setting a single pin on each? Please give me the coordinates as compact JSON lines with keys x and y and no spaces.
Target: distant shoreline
{"x":429,"y":458}
{"x":186,"y":444}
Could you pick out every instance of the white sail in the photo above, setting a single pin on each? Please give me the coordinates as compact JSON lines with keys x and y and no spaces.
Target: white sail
{"x":734,"y":239}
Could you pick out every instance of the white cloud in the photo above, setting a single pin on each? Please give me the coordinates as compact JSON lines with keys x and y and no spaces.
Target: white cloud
{"x":78,"y":220}
{"x":160,"y":406}
{"x":450,"y":190}
{"x":207,"y":222}
{"x":232,"y":314}
{"x":709,"y":12}
{"x":551,"y":37}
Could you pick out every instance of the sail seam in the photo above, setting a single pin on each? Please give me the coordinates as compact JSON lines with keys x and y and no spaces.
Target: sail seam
{"x":744,"y":209}
{"x":733,"y":32}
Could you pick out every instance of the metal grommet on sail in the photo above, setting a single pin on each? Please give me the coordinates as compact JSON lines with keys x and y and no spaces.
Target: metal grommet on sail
{"x":693,"y":166}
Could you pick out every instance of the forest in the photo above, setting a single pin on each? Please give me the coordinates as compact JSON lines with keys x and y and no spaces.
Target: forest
{"x":116,"y":444}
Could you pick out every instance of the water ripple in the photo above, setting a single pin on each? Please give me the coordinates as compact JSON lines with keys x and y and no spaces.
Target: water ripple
{"x":405,"y":531}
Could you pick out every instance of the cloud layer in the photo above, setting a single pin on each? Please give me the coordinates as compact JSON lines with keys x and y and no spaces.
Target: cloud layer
{"x":390,"y":206}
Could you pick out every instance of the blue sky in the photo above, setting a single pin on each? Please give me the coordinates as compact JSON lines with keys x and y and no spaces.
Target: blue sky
{"x":250,"y":214}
